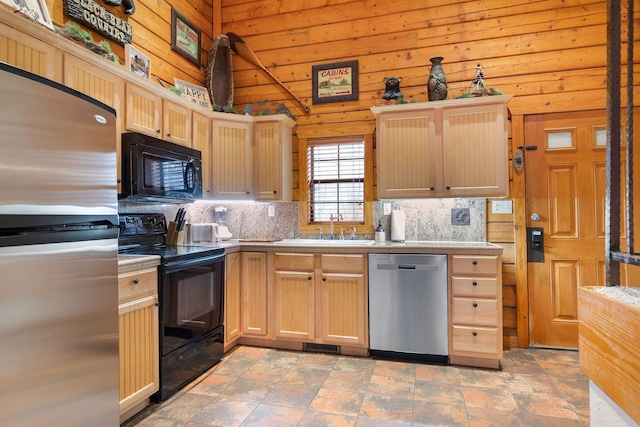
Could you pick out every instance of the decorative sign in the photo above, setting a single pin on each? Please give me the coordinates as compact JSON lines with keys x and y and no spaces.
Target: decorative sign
{"x":34,"y":9}
{"x":96,"y":17}
{"x":185,"y":37}
{"x":335,"y":82}
{"x":197,"y":94}
{"x":137,"y":62}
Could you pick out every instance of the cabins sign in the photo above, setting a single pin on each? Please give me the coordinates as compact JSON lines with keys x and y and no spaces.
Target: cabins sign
{"x":96,"y":17}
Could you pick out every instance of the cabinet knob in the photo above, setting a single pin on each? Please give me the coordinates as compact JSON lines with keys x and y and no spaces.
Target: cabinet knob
{"x":324,"y":279}
{"x":157,"y":304}
{"x":135,"y":281}
{"x":448,"y":188}
{"x":475,"y":263}
{"x":208,"y":191}
{"x":475,"y":305}
{"x":475,"y":283}
{"x":247,"y":192}
{"x":119,"y":181}
{"x":432,"y":188}
{"x":168,"y":135}
{"x":275,"y":192}
{"x":309,"y":278}
{"x":475,"y":334}
{"x":157,"y":130}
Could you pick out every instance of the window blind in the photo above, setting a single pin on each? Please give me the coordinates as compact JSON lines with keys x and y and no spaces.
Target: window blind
{"x":335,"y":170}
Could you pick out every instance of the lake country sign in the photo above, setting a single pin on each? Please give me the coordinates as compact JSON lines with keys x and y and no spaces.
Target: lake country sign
{"x":96,"y":17}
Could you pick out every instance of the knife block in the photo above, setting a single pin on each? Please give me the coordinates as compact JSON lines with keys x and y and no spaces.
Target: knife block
{"x":175,"y":237}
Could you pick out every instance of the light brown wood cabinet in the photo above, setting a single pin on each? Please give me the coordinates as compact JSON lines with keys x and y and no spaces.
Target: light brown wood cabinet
{"x":231,"y":299}
{"x":231,"y":159}
{"x":450,"y":148}
{"x":201,"y":140}
{"x":253,"y":294}
{"x":272,"y":151}
{"x":320,"y":298}
{"x":149,"y":113}
{"x":475,"y":333}
{"x":29,"y":53}
{"x":138,"y":339}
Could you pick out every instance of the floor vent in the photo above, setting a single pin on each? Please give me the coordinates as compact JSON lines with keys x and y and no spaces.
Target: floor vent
{"x":321,"y":348}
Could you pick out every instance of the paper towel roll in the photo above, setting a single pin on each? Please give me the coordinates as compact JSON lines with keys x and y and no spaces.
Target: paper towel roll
{"x":398,"y":220}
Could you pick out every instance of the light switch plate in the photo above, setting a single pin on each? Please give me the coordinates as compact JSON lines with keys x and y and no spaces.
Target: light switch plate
{"x":271,"y":210}
{"x":386,"y":208}
{"x":501,"y":207}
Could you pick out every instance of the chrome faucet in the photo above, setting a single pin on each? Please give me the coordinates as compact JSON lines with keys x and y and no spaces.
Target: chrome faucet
{"x":341,"y":233}
{"x":331,"y":219}
{"x":353,"y":233}
{"x":321,"y":230}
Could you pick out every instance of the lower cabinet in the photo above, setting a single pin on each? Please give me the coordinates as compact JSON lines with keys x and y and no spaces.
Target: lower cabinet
{"x":253,"y":294}
{"x":320,"y":298}
{"x":475,"y":335}
{"x":231,"y":299}
{"x":138,"y":339}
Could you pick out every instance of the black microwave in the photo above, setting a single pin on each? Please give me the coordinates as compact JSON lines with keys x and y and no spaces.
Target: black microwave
{"x":159,"y":171}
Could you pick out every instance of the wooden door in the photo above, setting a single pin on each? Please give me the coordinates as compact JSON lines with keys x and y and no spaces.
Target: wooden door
{"x":565,"y":195}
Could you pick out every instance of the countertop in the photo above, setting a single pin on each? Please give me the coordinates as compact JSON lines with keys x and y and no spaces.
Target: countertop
{"x":448,"y":247}
{"x":128,"y":263}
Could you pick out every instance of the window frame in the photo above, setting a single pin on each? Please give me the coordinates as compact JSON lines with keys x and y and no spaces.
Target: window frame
{"x":335,"y":131}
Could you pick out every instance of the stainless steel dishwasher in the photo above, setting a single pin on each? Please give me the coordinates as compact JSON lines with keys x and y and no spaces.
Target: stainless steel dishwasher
{"x":408,"y":306}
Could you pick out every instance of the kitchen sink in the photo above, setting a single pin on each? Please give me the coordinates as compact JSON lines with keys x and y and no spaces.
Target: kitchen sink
{"x":318,"y":242}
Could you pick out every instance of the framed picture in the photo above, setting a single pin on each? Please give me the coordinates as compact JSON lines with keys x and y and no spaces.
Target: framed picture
{"x":34,"y":9}
{"x":335,"y":82}
{"x":185,"y":37}
{"x":136,"y":62}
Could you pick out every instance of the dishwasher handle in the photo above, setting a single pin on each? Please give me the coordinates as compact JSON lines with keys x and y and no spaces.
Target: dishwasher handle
{"x":411,"y":267}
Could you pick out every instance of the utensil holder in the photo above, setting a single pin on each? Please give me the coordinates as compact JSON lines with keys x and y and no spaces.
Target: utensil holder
{"x":175,"y":237}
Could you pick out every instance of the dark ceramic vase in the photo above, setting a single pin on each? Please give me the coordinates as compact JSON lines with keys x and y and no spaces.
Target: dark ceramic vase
{"x":437,"y":83}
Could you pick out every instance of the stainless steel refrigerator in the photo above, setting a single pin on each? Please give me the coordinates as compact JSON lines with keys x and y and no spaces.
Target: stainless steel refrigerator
{"x":58,"y":256}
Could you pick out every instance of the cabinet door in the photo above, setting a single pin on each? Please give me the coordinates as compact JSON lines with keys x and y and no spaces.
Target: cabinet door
{"x":231,"y":298}
{"x":408,"y":155}
{"x":143,"y":111}
{"x":273,"y":159}
{"x":342,"y":315}
{"x":201,"y":140}
{"x":28,"y":53}
{"x":176,"y":123}
{"x":101,"y":84}
{"x":232,"y":159}
{"x":253,"y":293}
{"x":475,"y":149}
{"x":139,"y":351}
{"x":294,"y":305}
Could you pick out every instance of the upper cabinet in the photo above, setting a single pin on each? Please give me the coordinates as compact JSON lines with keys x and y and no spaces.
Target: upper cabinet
{"x":149,"y":113}
{"x":451,"y":148}
{"x":272,"y":154}
{"x":29,"y":53}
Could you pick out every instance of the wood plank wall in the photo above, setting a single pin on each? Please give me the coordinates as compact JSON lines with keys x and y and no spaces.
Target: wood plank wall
{"x":151,"y":25}
{"x":551,"y":54}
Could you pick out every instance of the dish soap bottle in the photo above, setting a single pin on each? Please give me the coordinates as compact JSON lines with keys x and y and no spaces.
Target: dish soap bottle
{"x":380,"y":237}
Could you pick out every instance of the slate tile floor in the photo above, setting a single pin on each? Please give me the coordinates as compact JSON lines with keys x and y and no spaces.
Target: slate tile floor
{"x":266,"y":387}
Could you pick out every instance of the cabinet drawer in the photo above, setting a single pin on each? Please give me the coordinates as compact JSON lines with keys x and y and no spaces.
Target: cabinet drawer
{"x":474,"y":311}
{"x":474,"y":287}
{"x":294,"y":262}
{"x":475,"y":342}
{"x":342,"y":263}
{"x":136,"y":284}
{"x":474,"y":265}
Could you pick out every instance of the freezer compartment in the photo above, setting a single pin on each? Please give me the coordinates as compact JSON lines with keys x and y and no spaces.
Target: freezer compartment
{"x":59,"y":333}
{"x":408,"y":304}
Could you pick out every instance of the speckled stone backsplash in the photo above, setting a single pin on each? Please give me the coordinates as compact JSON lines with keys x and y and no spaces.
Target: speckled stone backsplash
{"x":426,"y":219}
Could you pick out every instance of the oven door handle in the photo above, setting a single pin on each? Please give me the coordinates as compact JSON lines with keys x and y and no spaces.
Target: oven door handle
{"x":173,"y":266}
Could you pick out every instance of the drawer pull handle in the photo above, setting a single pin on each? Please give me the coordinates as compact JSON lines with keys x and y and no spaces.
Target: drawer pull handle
{"x":135,"y":281}
{"x":475,"y":283}
{"x":475,"y":334}
{"x":475,"y":305}
{"x":475,"y":262}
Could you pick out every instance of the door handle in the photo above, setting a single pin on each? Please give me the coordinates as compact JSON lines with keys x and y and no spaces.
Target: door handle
{"x":535,"y":217}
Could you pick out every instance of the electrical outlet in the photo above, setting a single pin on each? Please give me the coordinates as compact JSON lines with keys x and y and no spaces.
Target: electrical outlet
{"x":460,"y":216}
{"x":501,"y":207}
{"x":386,"y":208}
{"x":271,"y":210}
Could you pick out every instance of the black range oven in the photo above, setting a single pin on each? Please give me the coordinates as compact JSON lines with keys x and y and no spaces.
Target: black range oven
{"x":191,"y":297}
